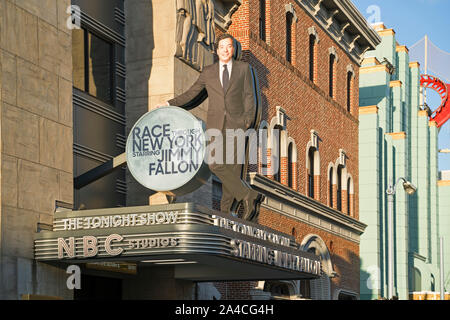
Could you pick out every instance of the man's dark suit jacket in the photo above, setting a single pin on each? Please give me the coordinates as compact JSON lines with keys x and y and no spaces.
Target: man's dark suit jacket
{"x":236,"y":106}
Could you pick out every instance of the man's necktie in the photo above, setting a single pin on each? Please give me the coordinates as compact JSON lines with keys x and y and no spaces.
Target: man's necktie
{"x":225,"y":78}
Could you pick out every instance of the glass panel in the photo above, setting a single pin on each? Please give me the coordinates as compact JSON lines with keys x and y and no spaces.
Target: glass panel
{"x":262,"y":19}
{"x":331,"y":74}
{"x":78,"y":59}
{"x":312,"y":39}
{"x":288,"y":36}
{"x":100,"y":74}
{"x":311,"y":173}
{"x":331,"y":187}
{"x":339,"y":189}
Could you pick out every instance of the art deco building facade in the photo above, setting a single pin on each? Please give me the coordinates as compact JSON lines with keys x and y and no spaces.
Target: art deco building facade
{"x":398,"y":139}
{"x":76,"y":76}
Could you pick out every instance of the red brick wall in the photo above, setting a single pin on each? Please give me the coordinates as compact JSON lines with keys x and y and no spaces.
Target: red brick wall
{"x":344,"y":253}
{"x":235,"y":290}
{"x":308,"y":105}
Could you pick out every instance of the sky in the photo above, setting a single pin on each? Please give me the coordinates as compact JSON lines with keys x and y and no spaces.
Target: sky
{"x":412,"y":20}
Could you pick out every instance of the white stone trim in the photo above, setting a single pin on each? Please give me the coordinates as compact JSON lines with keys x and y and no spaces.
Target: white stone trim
{"x":332,"y":51}
{"x":351,"y":70}
{"x":290,"y":8}
{"x":312,"y":31}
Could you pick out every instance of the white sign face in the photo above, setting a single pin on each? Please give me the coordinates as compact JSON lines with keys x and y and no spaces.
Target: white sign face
{"x":165,"y":148}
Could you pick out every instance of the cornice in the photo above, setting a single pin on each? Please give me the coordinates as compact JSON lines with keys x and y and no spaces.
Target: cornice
{"x":358,"y":20}
{"x":368,"y":109}
{"x":355,"y":42}
{"x":274,"y":189}
{"x":397,"y":135}
{"x":223,"y":11}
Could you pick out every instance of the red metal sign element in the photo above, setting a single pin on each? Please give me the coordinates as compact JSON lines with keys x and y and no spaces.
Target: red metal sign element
{"x":442,"y":113}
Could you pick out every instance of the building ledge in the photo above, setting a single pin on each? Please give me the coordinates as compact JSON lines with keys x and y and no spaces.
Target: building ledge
{"x":443,"y":183}
{"x":395,"y":83}
{"x":372,"y":69}
{"x":368,"y":110}
{"x":397,"y":135}
{"x":400,"y":48}
{"x":286,"y":195}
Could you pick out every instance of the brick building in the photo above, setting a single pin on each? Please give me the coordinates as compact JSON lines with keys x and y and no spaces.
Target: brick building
{"x":307,"y":56}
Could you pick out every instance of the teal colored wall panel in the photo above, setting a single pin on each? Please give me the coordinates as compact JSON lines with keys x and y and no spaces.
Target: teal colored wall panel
{"x":420,"y":219}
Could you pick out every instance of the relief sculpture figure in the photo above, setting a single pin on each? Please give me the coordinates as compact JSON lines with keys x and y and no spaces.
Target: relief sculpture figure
{"x":195,"y":32}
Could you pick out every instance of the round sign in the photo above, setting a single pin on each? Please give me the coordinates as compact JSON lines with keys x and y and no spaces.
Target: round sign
{"x":165,"y":151}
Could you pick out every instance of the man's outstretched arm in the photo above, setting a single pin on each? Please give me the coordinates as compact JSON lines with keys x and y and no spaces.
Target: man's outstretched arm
{"x":192,"y":93}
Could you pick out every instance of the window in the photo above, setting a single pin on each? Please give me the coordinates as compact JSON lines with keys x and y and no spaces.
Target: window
{"x":277,"y":170}
{"x":291,"y":173}
{"x":349,"y":187}
{"x":311,"y":173}
{"x":331,"y":74}
{"x":92,"y":64}
{"x":312,"y":40}
{"x":289,"y":17}
{"x":349,"y":90}
{"x":330,"y":188}
{"x":339,"y":188}
{"x":262,"y":19}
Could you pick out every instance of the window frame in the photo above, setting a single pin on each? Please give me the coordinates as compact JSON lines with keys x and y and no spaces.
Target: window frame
{"x":112,"y":71}
{"x":289,"y":20}
{"x":312,"y":44}
{"x":262,"y":20}
{"x":332,"y":62}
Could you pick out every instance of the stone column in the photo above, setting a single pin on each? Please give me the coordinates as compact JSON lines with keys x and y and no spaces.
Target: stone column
{"x":369,"y":202}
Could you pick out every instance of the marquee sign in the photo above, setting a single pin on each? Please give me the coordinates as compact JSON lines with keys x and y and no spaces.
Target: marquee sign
{"x":165,"y":151}
{"x":177,"y":231}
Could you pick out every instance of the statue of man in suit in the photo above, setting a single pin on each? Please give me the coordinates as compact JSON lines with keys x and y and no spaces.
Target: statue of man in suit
{"x":228,"y":83}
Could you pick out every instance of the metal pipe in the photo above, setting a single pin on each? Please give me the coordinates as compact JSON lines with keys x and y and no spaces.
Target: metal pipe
{"x":390,"y":191}
{"x":390,"y":195}
{"x":442,"y":268}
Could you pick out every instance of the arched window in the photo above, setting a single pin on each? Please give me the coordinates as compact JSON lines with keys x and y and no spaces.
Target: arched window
{"x":292,"y":164}
{"x":277,"y":134}
{"x":331,"y":75}
{"x":262,"y":20}
{"x":339,"y":188}
{"x":349,"y":211}
{"x":312,"y":42}
{"x":330,"y":186}
{"x":318,"y":289}
{"x":350,"y":196}
{"x":289,"y":18}
{"x":290,"y":173}
{"x":311,"y":172}
{"x":349,"y":90}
